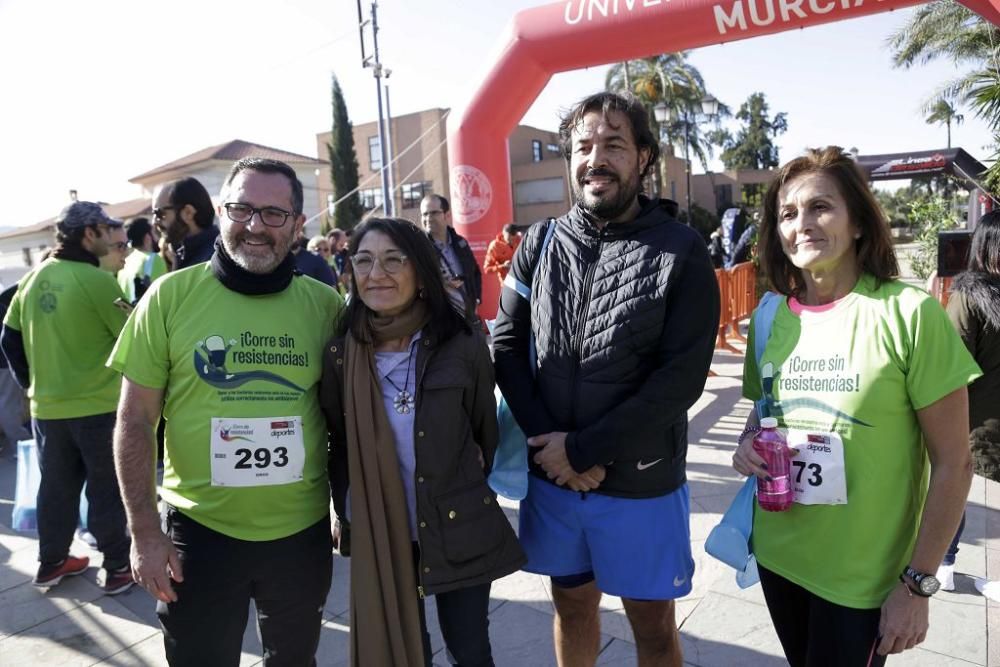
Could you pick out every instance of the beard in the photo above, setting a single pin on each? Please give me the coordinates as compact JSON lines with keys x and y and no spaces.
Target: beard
{"x":607,"y":206}
{"x":262,"y":258}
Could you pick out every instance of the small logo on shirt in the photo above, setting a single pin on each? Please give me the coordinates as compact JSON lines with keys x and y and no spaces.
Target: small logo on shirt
{"x":642,"y":466}
{"x":679,"y":581}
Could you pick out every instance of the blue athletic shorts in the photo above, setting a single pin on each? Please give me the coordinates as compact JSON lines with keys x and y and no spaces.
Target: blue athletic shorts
{"x":636,"y":548}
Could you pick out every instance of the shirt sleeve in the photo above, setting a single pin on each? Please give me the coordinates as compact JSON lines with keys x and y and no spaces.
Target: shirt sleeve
{"x":13,"y":317}
{"x":938,"y":362}
{"x":141,"y":353}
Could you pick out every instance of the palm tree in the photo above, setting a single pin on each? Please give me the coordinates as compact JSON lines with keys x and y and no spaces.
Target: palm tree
{"x":942,"y":111}
{"x":671,"y":79}
{"x":948,"y":30}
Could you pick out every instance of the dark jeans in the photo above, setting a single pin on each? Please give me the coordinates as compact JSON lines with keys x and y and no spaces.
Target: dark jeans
{"x":71,"y":452}
{"x":465,"y":625}
{"x":817,"y":633}
{"x":949,"y":556}
{"x":288,"y":580}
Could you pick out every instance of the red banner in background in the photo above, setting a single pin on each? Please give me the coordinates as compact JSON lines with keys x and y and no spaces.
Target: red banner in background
{"x":573,"y":34}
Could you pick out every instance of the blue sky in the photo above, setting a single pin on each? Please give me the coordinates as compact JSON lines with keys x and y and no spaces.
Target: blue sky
{"x":97,"y":92}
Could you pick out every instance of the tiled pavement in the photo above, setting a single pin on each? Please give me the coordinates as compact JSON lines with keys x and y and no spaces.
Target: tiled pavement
{"x":721,"y":626}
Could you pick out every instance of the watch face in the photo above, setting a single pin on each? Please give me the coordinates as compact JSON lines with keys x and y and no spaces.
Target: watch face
{"x":929,"y":585}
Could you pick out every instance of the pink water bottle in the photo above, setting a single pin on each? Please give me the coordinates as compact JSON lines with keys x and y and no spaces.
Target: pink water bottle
{"x":775,"y":495}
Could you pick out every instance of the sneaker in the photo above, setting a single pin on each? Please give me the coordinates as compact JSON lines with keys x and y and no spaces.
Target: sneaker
{"x":946,"y":575}
{"x":117,"y":581}
{"x":50,"y":575}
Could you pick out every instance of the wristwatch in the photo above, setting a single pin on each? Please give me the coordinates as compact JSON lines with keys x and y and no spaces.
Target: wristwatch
{"x":927,"y":584}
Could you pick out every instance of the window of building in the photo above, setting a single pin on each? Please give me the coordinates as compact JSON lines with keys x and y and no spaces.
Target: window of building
{"x":723,"y":197}
{"x":374,"y":153}
{"x":553,"y":148}
{"x":370,"y":198}
{"x":673,"y":190}
{"x":536,"y":150}
{"x":414,"y":192}
{"x":539,"y":191}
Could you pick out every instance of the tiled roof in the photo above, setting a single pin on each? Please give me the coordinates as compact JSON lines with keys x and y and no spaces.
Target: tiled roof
{"x":121,"y":211}
{"x":229,"y":151}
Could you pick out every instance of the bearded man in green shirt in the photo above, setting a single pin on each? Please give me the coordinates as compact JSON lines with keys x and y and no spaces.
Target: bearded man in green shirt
{"x":230,"y":353}
{"x":60,"y":327}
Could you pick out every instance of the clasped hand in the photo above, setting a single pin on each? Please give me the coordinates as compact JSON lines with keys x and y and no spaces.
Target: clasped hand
{"x":551,"y":455}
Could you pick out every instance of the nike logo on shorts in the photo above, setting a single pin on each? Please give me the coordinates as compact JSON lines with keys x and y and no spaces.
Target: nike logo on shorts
{"x":679,"y":581}
{"x":642,"y":466}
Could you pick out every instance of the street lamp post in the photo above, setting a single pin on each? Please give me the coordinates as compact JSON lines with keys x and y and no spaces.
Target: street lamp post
{"x":663,"y":114}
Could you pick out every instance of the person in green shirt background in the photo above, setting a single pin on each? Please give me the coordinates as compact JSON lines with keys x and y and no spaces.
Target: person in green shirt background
{"x":144,"y":264}
{"x":230,"y":353}
{"x":59,"y":329}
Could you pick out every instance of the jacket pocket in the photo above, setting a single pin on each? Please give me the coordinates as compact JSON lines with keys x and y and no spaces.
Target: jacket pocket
{"x":470,"y":522}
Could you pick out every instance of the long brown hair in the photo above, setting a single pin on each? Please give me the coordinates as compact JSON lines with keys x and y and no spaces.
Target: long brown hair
{"x":874,"y":251}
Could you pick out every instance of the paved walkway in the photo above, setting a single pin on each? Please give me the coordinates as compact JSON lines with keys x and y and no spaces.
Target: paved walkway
{"x":721,"y":626}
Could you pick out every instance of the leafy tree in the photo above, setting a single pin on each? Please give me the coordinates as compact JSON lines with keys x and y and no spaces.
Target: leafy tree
{"x":944,"y":113}
{"x":343,"y":165}
{"x":930,"y":215}
{"x":753,"y":146}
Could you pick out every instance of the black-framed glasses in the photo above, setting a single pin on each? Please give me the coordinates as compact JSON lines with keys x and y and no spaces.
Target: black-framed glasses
{"x":161,"y":213}
{"x":391,"y":263}
{"x":271,"y":216}
{"x":120,"y":246}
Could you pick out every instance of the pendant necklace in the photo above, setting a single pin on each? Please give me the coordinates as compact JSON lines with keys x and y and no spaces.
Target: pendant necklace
{"x":403,"y":402}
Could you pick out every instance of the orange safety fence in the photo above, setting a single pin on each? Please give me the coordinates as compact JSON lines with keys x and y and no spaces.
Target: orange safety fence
{"x":738,"y":292}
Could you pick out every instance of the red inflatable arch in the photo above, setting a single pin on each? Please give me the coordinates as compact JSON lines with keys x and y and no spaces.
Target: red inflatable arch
{"x":573,"y":34}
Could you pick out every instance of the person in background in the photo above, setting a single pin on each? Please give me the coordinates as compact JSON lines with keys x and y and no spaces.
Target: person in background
{"x":974,"y":309}
{"x":114,"y":260}
{"x":459,"y":267}
{"x":59,"y":329}
{"x":144,"y":264}
{"x":12,"y":426}
{"x":185,"y":216}
{"x":501,"y":251}
{"x":869,"y":378}
{"x":310,"y":264}
{"x":407,"y":391}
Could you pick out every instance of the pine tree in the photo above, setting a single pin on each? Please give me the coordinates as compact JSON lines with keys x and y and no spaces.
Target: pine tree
{"x":343,"y":164}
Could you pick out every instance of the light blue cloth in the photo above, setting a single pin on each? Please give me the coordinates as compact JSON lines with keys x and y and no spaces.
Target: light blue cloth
{"x":392,"y":366}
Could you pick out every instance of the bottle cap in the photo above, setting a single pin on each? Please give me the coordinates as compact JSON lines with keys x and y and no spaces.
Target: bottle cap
{"x":769,"y":422}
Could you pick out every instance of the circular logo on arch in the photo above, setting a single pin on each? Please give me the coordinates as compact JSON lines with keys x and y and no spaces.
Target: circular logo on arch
{"x":471,"y":193}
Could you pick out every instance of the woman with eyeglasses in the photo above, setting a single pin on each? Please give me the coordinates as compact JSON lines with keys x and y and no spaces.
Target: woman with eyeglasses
{"x":407,"y":391}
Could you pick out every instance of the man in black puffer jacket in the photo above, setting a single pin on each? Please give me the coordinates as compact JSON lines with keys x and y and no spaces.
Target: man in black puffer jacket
{"x":624,"y":309}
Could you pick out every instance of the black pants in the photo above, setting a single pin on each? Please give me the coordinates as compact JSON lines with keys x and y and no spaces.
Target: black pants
{"x":817,"y":633}
{"x":288,"y":579}
{"x":71,"y":452}
{"x":465,"y":624}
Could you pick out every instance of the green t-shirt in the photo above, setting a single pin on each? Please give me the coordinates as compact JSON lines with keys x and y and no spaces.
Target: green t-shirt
{"x":66,"y":314}
{"x":219,"y":354}
{"x":861,"y":369}
{"x":140,"y":263}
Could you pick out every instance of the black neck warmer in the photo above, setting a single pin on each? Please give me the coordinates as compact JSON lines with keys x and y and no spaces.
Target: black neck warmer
{"x":238,"y":279}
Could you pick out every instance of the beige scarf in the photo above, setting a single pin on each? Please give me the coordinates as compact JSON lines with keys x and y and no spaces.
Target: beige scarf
{"x":385,"y":620}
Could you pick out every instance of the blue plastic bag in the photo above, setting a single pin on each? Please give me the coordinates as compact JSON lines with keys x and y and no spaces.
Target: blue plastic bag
{"x":509,"y":477}
{"x":29,"y":477}
{"x":729,"y":541}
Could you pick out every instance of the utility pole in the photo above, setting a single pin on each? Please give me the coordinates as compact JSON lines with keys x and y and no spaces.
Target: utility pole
{"x":376,"y":65}
{"x":388,"y":139}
